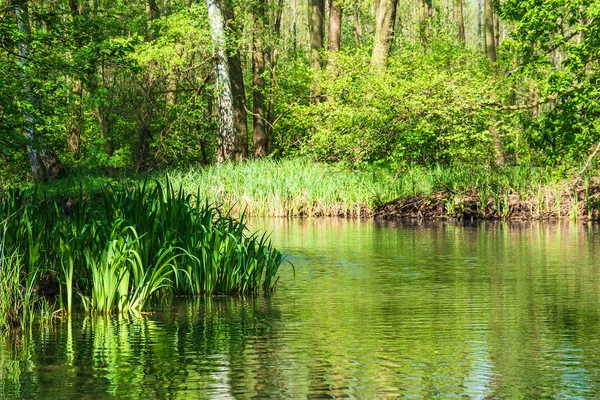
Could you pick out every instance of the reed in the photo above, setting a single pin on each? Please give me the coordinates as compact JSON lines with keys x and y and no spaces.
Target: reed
{"x":299,"y":187}
{"x":17,"y":296}
{"x":295,"y":187}
{"x":120,"y":248}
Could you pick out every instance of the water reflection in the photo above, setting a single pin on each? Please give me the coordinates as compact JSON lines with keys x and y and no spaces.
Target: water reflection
{"x":374,"y":309}
{"x":181,"y":348}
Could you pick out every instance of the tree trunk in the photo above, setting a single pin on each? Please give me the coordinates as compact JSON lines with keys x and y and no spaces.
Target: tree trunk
{"x":226,"y":147}
{"x":334,"y":38}
{"x":145,"y":136}
{"x":172,"y":78}
{"x":497,"y":145}
{"x":384,"y":33}
{"x":425,"y":15}
{"x":44,"y":164}
{"x":271,"y":58}
{"x":460,"y":20}
{"x":240,"y":115}
{"x":497,"y":31}
{"x":490,"y":37}
{"x":316,"y":25}
{"x":295,"y":26}
{"x":335,"y":25}
{"x":77,"y":9}
{"x":238,"y":91}
{"x":480,"y":27}
{"x":103,"y":116}
{"x":358,"y":31}
{"x":77,"y":125}
{"x":145,"y":110}
{"x":258,"y":81}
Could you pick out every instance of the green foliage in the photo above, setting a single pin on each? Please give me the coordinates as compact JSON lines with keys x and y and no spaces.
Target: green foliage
{"x":116,"y":250}
{"x":17,"y":298}
{"x":423,"y":109}
{"x":120,"y":88}
{"x":554,"y":50}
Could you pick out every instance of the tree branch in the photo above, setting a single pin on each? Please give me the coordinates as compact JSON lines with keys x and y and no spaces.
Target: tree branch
{"x":588,"y":162}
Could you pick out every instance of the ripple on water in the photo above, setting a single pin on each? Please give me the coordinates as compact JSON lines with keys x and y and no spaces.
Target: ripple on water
{"x":428,"y":311}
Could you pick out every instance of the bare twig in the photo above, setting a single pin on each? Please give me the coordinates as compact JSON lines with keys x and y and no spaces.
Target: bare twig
{"x":588,"y":162}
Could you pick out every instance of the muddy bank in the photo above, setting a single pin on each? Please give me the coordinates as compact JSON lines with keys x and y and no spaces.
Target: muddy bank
{"x":567,"y":202}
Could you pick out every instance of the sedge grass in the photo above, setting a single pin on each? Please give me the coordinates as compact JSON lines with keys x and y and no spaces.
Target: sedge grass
{"x":299,"y":187}
{"x":120,"y":248}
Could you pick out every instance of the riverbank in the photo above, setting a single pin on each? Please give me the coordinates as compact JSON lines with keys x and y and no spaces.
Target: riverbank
{"x":574,"y":202}
{"x":302,"y":188}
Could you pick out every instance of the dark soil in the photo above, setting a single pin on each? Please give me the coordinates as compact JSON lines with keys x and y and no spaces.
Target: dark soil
{"x":570,"y":202}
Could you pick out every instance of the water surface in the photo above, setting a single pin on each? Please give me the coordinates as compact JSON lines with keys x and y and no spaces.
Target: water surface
{"x":373,"y":310}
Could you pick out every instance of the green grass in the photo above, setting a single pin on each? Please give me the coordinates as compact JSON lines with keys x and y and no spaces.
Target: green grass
{"x":122,"y":245}
{"x":300,"y":187}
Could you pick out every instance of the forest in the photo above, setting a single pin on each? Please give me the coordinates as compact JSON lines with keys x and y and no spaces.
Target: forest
{"x":143,"y":141}
{"x":114,"y":88}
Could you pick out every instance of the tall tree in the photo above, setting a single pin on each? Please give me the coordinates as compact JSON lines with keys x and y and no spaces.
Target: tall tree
{"x":490,"y":46}
{"x":460,"y":20}
{"x":356,"y":22}
{"x":226,"y":147}
{"x":144,"y":110}
{"x":316,"y":24}
{"x":384,"y":33}
{"x":425,"y":14}
{"x":490,"y":37}
{"x":44,"y":163}
{"x":335,"y":25}
{"x":258,"y":80}
{"x":497,"y":30}
{"x":480,"y":27}
{"x":238,"y":91}
{"x":271,"y":60}
{"x":152,"y":13}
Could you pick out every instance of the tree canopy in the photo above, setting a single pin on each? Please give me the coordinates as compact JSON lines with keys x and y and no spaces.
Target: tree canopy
{"x":110,"y":87}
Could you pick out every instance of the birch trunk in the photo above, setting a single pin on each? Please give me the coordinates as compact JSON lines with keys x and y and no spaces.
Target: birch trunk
{"x":226,"y":147}
{"x":238,"y":90}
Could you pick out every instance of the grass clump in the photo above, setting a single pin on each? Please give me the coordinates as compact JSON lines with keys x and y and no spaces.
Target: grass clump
{"x":294,"y":187}
{"x":120,"y":248}
{"x":300,"y":187}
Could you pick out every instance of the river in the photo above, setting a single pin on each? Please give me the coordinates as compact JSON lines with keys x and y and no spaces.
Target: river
{"x":370,"y":309}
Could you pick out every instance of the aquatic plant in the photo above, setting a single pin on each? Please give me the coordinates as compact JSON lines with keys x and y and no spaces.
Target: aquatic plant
{"x":118,"y":249}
